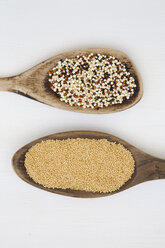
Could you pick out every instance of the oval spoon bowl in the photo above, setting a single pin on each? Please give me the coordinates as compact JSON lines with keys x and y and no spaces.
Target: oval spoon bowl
{"x":34,"y":84}
{"x":147,"y":167}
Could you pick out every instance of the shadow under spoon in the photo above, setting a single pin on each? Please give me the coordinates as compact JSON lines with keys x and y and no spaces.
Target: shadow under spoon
{"x":147,"y":167}
{"x":34,"y":84}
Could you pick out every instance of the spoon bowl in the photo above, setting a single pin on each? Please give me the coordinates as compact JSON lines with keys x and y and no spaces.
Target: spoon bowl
{"x":34,"y":84}
{"x":147,"y":167}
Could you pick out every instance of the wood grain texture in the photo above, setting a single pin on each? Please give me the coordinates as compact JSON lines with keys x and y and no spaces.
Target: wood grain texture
{"x":34,"y":82}
{"x":147,"y":167}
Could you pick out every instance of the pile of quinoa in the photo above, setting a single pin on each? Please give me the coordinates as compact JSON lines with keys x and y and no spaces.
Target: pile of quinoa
{"x":92,"y":81}
{"x":80,"y":164}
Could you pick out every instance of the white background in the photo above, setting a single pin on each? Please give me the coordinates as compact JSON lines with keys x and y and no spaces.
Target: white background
{"x":32,"y":31}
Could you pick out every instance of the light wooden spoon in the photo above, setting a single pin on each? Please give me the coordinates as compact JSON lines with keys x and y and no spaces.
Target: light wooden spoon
{"x":34,"y":83}
{"x":147,"y":167}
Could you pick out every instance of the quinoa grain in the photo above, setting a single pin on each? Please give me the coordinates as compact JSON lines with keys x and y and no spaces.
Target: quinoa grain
{"x":95,"y":79}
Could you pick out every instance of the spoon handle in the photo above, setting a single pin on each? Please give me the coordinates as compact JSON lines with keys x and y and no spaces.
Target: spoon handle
{"x":149,"y":168}
{"x":6,"y":83}
{"x":159,"y":165}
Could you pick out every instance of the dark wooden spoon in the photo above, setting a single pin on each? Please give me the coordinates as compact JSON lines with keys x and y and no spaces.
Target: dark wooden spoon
{"x":34,"y":82}
{"x":147,"y":167}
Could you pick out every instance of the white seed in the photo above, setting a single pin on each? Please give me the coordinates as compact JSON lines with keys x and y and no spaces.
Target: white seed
{"x":93,"y":84}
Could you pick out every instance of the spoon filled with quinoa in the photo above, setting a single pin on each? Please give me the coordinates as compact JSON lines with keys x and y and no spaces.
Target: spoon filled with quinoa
{"x":94,"y":80}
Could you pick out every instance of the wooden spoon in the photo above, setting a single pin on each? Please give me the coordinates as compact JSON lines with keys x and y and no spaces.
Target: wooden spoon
{"x":34,"y":83}
{"x":147,"y":167}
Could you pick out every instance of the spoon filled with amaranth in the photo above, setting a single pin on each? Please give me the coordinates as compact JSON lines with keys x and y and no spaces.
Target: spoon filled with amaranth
{"x":85,"y":164}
